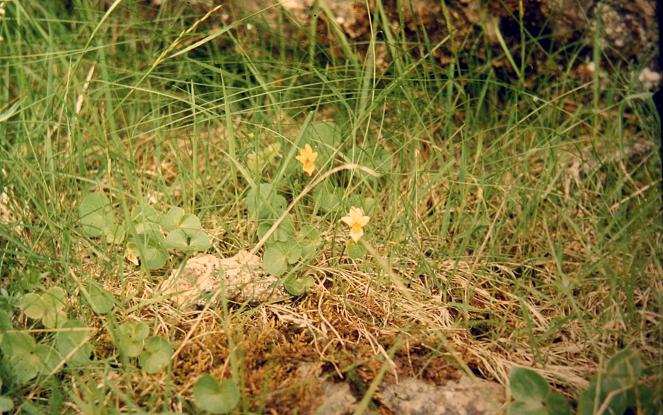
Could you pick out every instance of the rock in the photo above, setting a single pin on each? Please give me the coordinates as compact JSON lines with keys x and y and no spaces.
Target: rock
{"x":242,"y":275}
{"x":458,"y":397}
{"x":337,"y":399}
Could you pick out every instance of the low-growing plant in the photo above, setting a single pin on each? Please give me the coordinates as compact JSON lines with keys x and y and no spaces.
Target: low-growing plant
{"x":6,"y":403}
{"x":47,"y":307}
{"x":618,"y":389}
{"x":215,"y":397}
{"x":156,"y":354}
{"x":152,"y":234}
{"x":533,"y":396}
{"x":72,"y":341}
{"x":130,"y":338}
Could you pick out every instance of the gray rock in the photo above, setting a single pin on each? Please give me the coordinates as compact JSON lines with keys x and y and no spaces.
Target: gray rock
{"x":458,"y":397}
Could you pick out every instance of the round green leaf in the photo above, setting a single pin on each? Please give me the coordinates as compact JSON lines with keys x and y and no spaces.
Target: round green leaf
{"x":309,"y":239}
{"x":177,"y":239}
{"x":527,"y":385}
{"x":99,"y":299}
{"x":214,"y":397}
{"x":275,"y":261}
{"x":25,"y":367}
{"x":355,"y":250}
{"x":172,"y":219}
{"x":199,"y":241}
{"x":557,"y":404}
{"x":131,"y":338}
{"x":6,"y":404}
{"x":96,"y":214}
{"x":115,"y":234}
{"x":156,"y":354}
{"x":73,"y":338}
{"x":190,"y":223}
{"x":48,"y":358}
{"x":625,"y":367}
{"x":298,"y":286}
{"x":527,"y":408}
{"x":17,"y":343}
{"x":153,"y":257}
{"x":33,"y":306}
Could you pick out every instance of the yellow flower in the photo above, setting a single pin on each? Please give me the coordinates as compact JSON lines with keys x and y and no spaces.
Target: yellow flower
{"x":356,"y":220}
{"x":307,"y":157}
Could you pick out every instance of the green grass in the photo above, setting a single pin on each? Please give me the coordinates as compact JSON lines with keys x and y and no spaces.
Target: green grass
{"x":512,"y":224}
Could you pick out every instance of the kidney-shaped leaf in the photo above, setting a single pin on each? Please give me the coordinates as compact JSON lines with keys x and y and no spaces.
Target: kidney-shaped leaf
{"x":131,"y":337}
{"x":96,"y":214}
{"x":215,"y":397}
{"x":156,"y":354}
{"x":72,"y":342}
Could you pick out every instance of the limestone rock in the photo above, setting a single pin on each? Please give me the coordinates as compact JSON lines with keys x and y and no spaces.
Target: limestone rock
{"x":241,"y":274}
{"x":458,"y":397}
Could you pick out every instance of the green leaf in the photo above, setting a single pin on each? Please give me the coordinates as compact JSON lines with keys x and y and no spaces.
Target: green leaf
{"x":325,"y":136}
{"x":557,"y":404}
{"x":48,"y":358}
{"x":96,"y":214}
{"x":131,"y":338}
{"x":17,"y":343}
{"x":73,"y":335}
{"x":199,"y":241}
{"x":190,"y":224}
{"x":262,"y":202}
{"x":99,"y":299}
{"x":6,"y":404}
{"x":156,"y":354}
{"x":309,"y":239}
{"x":177,"y":218}
{"x":54,"y":302}
{"x":290,"y":249}
{"x":26,"y":367}
{"x":327,"y":197}
{"x":145,"y":213}
{"x":33,"y":306}
{"x":355,"y":250}
{"x":625,"y":367}
{"x":192,"y":241}
{"x":115,"y":234}
{"x":275,"y":261}
{"x":177,"y":239}
{"x":527,"y":385}
{"x":172,"y":219}
{"x":298,"y":286}
{"x":214,"y":397}
{"x":152,"y":253}
{"x":527,"y":408}
{"x":154,"y":257}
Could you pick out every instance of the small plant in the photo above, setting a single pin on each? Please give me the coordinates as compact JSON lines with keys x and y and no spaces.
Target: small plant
{"x":152,"y":233}
{"x":130,"y":338}
{"x":156,"y":354}
{"x":72,"y":343}
{"x":215,"y":397}
{"x":48,"y":307}
{"x":533,"y":396}
{"x":6,"y":403}
{"x":100,"y":300}
{"x":26,"y":358}
{"x":286,"y":245}
{"x":97,"y":218}
{"x":617,"y":389}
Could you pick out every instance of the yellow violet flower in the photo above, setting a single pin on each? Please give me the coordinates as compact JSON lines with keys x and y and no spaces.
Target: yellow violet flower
{"x":356,"y":219}
{"x":307,"y":157}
